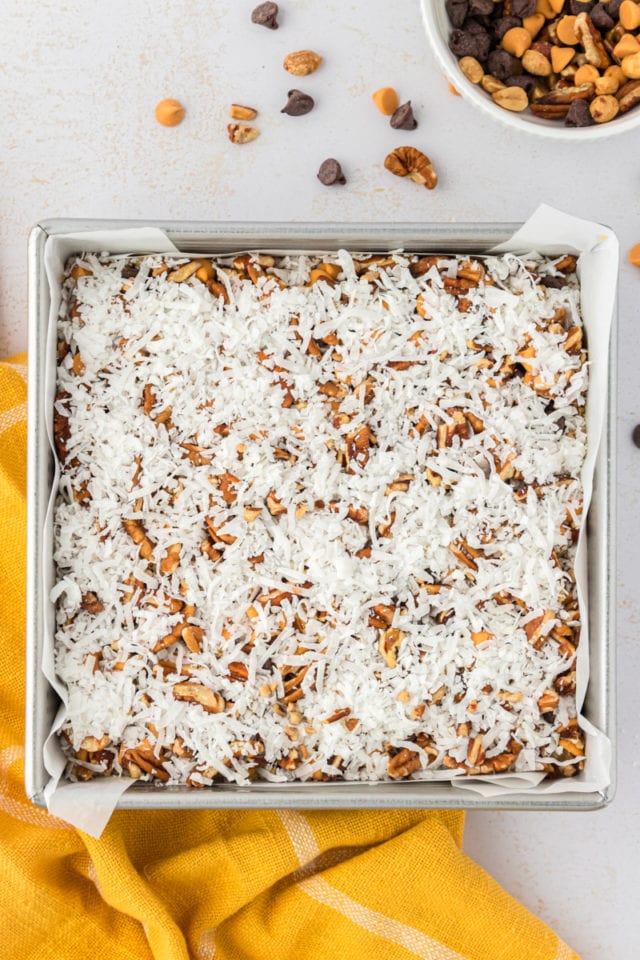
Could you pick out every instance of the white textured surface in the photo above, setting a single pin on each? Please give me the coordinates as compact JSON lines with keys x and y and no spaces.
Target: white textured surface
{"x":78,"y":84}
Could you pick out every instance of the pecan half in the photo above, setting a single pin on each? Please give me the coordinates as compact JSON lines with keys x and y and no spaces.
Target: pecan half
{"x":567,"y":95}
{"x":591,"y":41}
{"x":412,"y":163}
{"x":629,"y":96}
{"x":549,"y":111}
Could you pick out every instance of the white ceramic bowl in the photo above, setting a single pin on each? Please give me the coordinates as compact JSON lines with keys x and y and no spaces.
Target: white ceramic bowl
{"x":438,"y":28}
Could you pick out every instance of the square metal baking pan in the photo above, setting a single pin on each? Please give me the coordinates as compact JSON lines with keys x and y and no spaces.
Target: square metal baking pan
{"x":211,"y":238}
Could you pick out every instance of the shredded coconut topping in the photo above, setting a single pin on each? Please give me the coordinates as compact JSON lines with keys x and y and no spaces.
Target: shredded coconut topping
{"x":317,"y":517}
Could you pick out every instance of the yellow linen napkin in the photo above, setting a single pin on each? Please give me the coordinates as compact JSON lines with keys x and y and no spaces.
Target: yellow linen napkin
{"x":254,"y":885}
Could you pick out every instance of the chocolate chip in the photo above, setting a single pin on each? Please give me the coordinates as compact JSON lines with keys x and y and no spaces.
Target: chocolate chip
{"x":581,"y":6}
{"x":601,"y":17}
{"x":503,"y":24}
{"x":613,"y":8}
{"x":473,"y":23}
{"x":477,"y":24}
{"x":128,"y":272}
{"x":467,"y":43}
{"x":526,"y":81}
{"x":579,"y":115}
{"x":635,"y":436}
{"x":554,"y":283}
{"x":403,"y":118}
{"x":266,"y":15}
{"x":457,"y":10}
{"x":502,"y":64}
{"x":523,"y":8}
{"x":298,"y":104}
{"x":330,"y":172}
{"x":481,"y":7}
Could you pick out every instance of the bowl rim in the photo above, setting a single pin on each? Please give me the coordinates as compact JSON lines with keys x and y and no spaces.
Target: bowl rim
{"x":516,"y":121}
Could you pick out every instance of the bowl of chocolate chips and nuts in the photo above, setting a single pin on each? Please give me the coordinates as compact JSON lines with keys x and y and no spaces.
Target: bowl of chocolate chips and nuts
{"x":560,"y":68}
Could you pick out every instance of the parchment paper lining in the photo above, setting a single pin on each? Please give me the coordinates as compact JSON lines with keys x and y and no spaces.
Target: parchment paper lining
{"x":89,"y":805}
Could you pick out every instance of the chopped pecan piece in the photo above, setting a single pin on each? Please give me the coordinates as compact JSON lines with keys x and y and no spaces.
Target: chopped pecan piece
{"x":209,"y":700}
{"x":91,"y":604}
{"x":389,"y":644}
{"x":403,"y":764}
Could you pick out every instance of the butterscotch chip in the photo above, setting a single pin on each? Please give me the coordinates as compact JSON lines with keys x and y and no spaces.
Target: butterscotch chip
{"x":534,"y":23}
{"x":586,"y":74}
{"x":561,"y":57}
{"x":616,"y":71}
{"x":544,"y":7}
{"x":169,"y":113}
{"x":386,"y":100}
{"x":634,"y":255}
{"x":629,"y":15}
{"x":631,"y":66}
{"x":516,"y":41}
{"x":626,"y":46}
{"x":565,"y":30}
